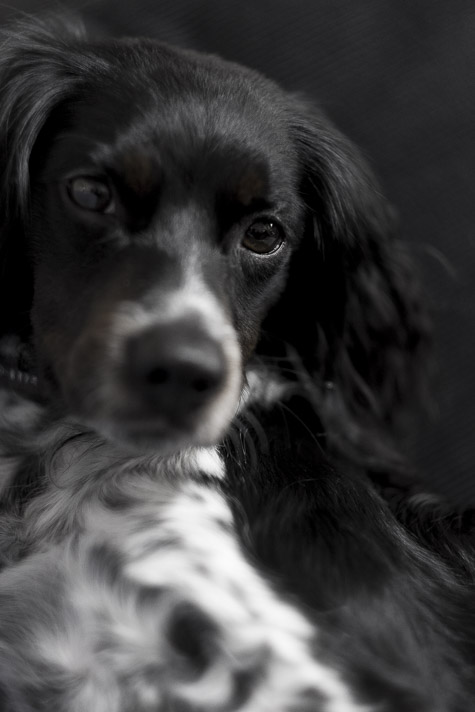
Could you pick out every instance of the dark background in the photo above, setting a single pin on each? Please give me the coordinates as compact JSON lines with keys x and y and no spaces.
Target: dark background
{"x":398,"y":76}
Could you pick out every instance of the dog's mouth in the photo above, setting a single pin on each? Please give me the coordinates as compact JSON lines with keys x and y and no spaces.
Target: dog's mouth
{"x":154,"y":436}
{"x":165,"y":429}
{"x":162,"y":428}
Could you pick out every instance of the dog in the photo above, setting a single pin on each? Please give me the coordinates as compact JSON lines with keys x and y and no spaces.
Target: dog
{"x":209,"y":338}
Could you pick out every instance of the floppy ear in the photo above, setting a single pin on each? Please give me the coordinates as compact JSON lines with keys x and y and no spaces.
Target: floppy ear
{"x":352,"y":310}
{"x":38,"y":70}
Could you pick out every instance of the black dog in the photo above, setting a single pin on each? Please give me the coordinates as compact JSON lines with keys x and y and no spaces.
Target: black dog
{"x":208,"y":337}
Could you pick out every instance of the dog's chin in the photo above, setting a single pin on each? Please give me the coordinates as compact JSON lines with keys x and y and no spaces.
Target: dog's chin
{"x":156,"y":438}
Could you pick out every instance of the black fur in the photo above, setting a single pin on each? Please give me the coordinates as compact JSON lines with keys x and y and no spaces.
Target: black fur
{"x":160,"y":372}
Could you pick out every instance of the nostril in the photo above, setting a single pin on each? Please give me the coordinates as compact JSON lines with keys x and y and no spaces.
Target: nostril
{"x":157,"y":376}
{"x":186,"y":375}
{"x":200,"y":385}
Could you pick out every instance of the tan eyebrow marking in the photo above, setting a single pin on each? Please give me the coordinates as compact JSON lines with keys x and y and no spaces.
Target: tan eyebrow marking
{"x":251,"y":185}
{"x":140,"y":170}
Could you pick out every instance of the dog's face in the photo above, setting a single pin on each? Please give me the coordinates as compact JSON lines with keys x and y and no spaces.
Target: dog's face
{"x":163,"y":218}
{"x":164,"y":198}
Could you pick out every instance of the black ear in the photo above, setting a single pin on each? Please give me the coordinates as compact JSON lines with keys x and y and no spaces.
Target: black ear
{"x":352,"y":310}
{"x":38,"y":70}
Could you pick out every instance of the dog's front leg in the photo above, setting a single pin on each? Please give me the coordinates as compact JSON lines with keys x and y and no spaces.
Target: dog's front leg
{"x":156,"y":608}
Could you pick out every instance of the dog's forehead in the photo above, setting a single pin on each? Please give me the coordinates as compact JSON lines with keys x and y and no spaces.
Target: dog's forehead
{"x":181,"y":109}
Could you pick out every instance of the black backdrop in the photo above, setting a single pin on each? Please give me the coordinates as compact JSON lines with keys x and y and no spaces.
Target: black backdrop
{"x":398,"y":76}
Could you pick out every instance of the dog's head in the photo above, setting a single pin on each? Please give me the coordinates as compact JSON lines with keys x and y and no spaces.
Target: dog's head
{"x":158,"y":206}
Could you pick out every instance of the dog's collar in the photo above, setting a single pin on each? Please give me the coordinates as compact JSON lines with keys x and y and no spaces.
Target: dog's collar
{"x":17,"y":371}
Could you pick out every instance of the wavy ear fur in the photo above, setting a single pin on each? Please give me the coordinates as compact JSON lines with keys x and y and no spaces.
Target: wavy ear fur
{"x":352,"y":310}
{"x":39,"y":69}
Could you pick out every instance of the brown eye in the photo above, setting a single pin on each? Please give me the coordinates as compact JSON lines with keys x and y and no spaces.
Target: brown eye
{"x":90,"y":193}
{"x":263,"y":237}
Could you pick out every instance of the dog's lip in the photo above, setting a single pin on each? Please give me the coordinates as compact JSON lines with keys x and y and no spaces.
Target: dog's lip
{"x":139,"y":428}
{"x":145,"y":436}
{"x":154,"y":422}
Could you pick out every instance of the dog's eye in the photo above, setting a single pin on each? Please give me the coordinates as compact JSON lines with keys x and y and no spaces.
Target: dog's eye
{"x":90,"y":193}
{"x":263,"y":237}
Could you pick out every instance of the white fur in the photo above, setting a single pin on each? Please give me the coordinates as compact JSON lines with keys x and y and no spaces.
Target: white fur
{"x":263,"y":387}
{"x":173,"y":537}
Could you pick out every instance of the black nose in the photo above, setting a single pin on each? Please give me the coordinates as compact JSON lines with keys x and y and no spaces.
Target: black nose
{"x":176,"y":367}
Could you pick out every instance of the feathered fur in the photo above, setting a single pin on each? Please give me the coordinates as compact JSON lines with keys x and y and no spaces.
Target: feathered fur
{"x":209,"y":336}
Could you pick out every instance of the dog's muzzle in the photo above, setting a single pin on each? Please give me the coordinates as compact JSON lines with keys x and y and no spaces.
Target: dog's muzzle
{"x":175,"y":368}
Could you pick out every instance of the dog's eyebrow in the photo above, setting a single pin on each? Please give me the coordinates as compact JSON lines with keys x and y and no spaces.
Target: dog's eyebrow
{"x":251,"y":186}
{"x":244,"y":176}
{"x":135,"y":167}
{"x":139,"y":170}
